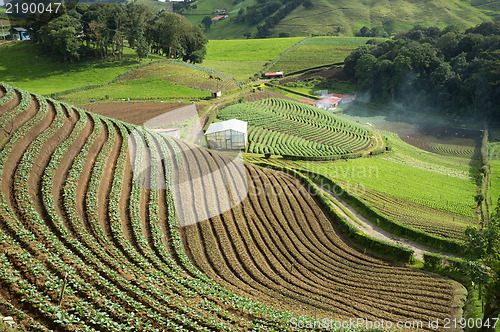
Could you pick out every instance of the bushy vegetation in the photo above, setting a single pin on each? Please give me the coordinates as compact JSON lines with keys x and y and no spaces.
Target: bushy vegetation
{"x":433,"y":70}
{"x":270,"y":12}
{"x":101,"y":29}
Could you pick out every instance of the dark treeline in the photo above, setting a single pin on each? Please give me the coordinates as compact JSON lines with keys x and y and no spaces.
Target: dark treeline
{"x":269,"y":13}
{"x":102,"y":29}
{"x":432,"y":70}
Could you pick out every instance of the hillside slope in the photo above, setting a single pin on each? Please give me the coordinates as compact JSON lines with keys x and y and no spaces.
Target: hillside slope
{"x":129,"y":218}
{"x":345,"y":17}
{"x":279,"y":127}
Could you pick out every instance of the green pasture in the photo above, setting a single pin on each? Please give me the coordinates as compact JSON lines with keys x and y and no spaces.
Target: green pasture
{"x":184,"y":74}
{"x":242,"y":58}
{"x":22,"y":65}
{"x":144,"y":89}
{"x":346,"y":17}
{"x":410,"y":173}
{"x":317,"y":51}
{"x":494,"y":185}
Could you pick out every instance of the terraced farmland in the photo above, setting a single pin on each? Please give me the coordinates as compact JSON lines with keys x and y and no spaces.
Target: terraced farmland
{"x":317,"y":51}
{"x":185,"y":74}
{"x":96,"y":202}
{"x":463,"y":151}
{"x":433,"y":221}
{"x":278,"y":127}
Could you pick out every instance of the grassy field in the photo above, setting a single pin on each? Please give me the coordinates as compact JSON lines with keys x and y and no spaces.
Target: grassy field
{"x":184,"y":74}
{"x":316,"y":52}
{"x":345,"y":17}
{"x":143,"y":89}
{"x":494,"y":185}
{"x":242,"y":58}
{"x":22,"y":65}
{"x":410,"y":173}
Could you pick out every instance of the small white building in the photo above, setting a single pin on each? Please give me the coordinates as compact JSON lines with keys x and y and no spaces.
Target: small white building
{"x":327,"y":104}
{"x":227,"y":135}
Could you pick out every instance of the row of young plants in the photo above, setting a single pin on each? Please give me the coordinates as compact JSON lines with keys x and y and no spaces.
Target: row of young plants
{"x":311,"y":115}
{"x":274,"y":130}
{"x":389,"y":224}
{"x":293,"y":241}
{"x":76,"y":244}
{"x":24,"y":103}
{"x":98,"y":297}
{"x":28,"y":291}
{"x":454,"y":150}
{"x":8,"y":94}
{"x":437,"y":222}
{"x":87,"y":289}
{"x":102,"y":255}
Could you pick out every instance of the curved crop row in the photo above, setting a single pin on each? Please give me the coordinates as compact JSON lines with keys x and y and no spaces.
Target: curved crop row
{"x":104,"y":207}
{"x":278,"y":126}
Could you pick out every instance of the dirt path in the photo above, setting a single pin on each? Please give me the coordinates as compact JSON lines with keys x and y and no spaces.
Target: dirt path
{"x":194,"y":132}
{"x":371,"y":229}
{"x":377,"y":143}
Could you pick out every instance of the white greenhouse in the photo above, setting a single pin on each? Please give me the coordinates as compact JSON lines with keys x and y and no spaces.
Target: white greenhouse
{"x":227,"y":135}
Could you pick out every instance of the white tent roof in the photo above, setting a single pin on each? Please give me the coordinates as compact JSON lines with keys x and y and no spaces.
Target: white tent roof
{"x":234,"y":124}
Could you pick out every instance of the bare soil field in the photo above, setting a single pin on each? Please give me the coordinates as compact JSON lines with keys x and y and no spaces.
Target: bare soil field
{"x":330,"y":74}
{"x":135,"y":113}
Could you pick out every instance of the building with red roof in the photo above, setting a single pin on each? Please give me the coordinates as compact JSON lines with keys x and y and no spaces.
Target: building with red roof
{"x":278,"y":74}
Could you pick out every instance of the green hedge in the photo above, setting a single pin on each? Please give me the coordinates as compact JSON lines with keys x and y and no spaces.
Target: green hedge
{"x":291,"y":90}
{"x":377,"y":151}
{"x":432,"y":261}
{"x":323,"y":158}
{"x":384,"y":248}
{"x":389,"y":224}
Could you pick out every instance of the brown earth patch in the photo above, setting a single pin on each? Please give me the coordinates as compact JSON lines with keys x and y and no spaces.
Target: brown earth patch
{"x":135,"y":113}
{"x":330,"y":74}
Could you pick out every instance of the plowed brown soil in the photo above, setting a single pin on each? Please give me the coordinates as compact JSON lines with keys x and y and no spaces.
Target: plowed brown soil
{"x":135,"y":113}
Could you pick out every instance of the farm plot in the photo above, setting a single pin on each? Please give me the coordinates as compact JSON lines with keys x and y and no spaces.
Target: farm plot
{"x":242,"y":58}
{"x":278,"y":126}
{"x":183,"y":74}
{"x":317,"y":51}
{"x":433,"y":221}
{"x":91,"y":200}
{"x":438,"y":183}
{"x":72,"y":208}
{"x":277,"y":246}
{"x":140,"y":89}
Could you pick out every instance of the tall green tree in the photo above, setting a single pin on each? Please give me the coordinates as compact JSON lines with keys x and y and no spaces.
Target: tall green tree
{"x":61,"y":37}
{"x":207,"y":22}
{"x":484,"y":267}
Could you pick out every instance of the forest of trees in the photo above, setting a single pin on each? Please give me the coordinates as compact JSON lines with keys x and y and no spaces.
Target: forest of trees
{"x":102,"y":29}
{"x":433,"y":70}
{"x":269,"y":13}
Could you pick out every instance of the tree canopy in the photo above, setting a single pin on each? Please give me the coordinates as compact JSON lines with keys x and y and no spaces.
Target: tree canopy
{"x":483,"y":266}
{"x":433,"y":70}
{"x":102,"y":29}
